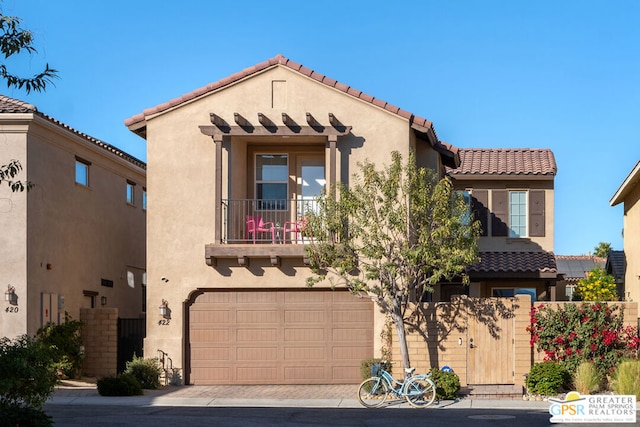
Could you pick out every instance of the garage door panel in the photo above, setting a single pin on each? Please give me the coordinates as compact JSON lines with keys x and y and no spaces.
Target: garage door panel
{"x":304,"y":373}
{"x":245,"y":354}
{"x":292,"y":298}
{"x":350,"y":353}
{"x":305,"y":353}
{"x":267,"y":335}
{"x":216,"y":375}
{"x":279,"y":337}
{"x":352,"y":335}
{"x":214,"y":317}
{"x":304,"y":316}
{"x":205,"y":356}
{"x":304,"y":334}
{"x":256,"y":374}
{"x":260,"y":298}
{"x":210,"y":335}
{"x":346,"y":374}
{"x":355,"y":315}
{"x":207,"y":299}
{"x":256,"y":316}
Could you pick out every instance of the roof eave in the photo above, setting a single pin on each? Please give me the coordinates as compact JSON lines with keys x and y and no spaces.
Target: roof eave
{"x":627,"y":185}
{"x":501,"y":177}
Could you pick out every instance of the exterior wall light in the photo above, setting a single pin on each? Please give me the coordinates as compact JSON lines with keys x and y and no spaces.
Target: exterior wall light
{"x":10,"y":295}
{"x":164,"y":309}
{"x":103,"y":300}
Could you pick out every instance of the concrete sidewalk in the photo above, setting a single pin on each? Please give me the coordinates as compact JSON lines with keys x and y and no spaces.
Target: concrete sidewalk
{"x":308,"y":396}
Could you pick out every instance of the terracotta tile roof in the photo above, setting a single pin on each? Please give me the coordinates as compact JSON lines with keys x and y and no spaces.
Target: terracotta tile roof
{"x":505,"y":162}
{"x":11,"y":105}
{"x":515,"y":262}
{"x":415,"y":121}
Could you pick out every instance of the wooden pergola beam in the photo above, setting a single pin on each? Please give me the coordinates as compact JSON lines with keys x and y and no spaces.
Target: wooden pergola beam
{"x":335,"y":122}
{"x":311,"y":121}
{"x":241,"y":121}
{"x":218,"y":121}
{"x":288,"y":121}
{"x":267,"y":123}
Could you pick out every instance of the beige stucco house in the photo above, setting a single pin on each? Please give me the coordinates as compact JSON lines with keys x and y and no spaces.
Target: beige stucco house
{"x":227,"y":298}
{"x":77,"y":239}
{"x":629,"y":195}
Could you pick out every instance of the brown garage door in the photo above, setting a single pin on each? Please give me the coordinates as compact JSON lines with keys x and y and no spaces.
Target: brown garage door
{"x":279,"y":337}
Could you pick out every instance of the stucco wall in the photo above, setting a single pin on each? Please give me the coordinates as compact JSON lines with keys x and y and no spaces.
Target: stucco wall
{"x":632,"y":244}
{"x":13,"y":251}
{"x":533,"y":244}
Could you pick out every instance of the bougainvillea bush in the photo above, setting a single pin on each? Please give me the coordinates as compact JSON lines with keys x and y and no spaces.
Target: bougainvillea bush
{"x":578,"y":332}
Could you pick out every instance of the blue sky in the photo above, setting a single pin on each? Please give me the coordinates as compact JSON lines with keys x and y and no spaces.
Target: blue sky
{"x":563,"y":75}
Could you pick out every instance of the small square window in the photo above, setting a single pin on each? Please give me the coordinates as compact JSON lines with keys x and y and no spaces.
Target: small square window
{"x":82,"y":172}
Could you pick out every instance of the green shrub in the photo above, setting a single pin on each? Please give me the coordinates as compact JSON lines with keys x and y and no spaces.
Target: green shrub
{"x":146,"y":371}
{"x":447,"y":383}
{"x":586,"y":379}
{"x":626,"y":378}
{"x":119,"y":385}
{"x":17,"y":415}
{"x":365,"y":367}
{"x":65,"y":342}
{"x":547,"y":378}
{"x":27,"y":377}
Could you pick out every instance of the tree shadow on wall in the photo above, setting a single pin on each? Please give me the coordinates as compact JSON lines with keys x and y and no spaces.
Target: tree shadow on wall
{"x":441,"y":324}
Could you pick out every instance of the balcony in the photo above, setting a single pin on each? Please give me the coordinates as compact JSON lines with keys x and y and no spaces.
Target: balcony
{"x":261,"y":228}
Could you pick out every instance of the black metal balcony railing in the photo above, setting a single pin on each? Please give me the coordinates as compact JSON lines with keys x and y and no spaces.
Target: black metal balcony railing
{"x":279,"y":221}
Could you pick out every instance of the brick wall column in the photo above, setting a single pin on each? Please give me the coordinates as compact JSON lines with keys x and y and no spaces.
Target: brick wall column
{"x":100,"y":341}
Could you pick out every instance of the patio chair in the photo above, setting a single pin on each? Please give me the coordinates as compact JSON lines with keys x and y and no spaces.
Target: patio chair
{"x":255,"y":225}
{"x":296,"y":227}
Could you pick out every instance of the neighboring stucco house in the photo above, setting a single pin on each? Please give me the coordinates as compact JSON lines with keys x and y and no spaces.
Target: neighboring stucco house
{"x":77,"y":239}
{"x":511,"y":193}
{"x":572,"y":268}
{"x":229,"y":300}
{"x":629,"y":194}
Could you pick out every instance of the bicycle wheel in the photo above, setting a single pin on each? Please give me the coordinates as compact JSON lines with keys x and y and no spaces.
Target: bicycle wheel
{"x":372,"y":392}
{"x":420,"y":392}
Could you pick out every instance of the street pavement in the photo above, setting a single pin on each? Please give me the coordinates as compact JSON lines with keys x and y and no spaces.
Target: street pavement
{"x":78,"y":404}
{"x":296,"y":396}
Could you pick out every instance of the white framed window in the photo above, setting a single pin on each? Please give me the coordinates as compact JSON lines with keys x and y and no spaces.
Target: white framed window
{"x":272,"y":181}
{"x":518,"y":214}
{"x":131,"y":192}
{"x":82,"y":171}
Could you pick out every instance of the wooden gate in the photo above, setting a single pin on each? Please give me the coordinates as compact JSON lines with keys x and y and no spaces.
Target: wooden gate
{"x":490,"y":339}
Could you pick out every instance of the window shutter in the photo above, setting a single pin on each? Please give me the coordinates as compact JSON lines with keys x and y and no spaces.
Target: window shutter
{"x":499,"y":213}
{"x":536,"y":213}
{"x":479,"y":203}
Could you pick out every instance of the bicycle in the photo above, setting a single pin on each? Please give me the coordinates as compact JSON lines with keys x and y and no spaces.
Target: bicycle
{"x":419,"y":390}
